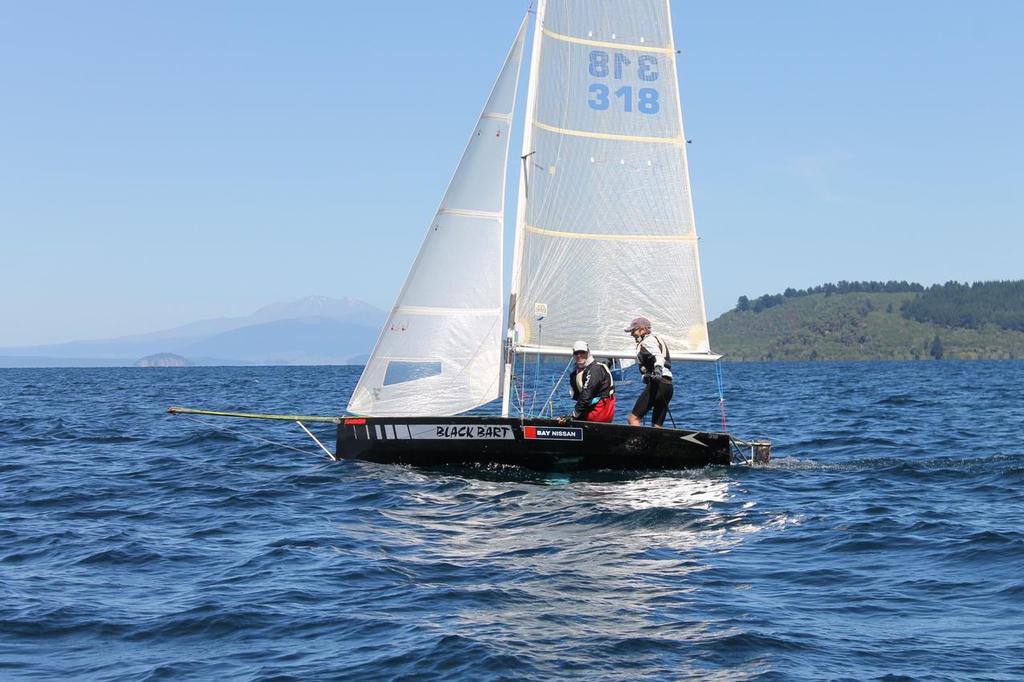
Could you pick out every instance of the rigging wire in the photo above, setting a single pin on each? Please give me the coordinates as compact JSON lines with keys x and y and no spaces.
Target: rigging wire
{"x":721,"y":394}
{"x":522,"y":393}
{"x":557,"y":384}
{"x":517,"y":394}
{"x":536,"y":376}
{"x":249,"y":435}
{"x":517,"y":386}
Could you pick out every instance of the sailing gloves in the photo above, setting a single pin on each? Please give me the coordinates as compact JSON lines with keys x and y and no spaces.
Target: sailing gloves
{"x":655,"y":376}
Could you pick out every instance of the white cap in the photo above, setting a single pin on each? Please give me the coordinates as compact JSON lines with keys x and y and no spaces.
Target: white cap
{"x":580,"y":345}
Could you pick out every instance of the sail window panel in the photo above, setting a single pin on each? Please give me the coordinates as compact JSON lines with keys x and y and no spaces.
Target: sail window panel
{"x":480,"y":183}
{"x":608,"y":187}
{"x":638,"y":22}
{"x":604,"y":91}
{"x":459,"y":268}
{"x":399,"y":371}
{"x":600,"y":285}
{"x":467,"y":348}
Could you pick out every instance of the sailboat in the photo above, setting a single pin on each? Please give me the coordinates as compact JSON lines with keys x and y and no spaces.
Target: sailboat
{"x":604,"y":231}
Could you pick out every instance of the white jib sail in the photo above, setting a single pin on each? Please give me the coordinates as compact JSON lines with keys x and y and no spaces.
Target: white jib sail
{"x":607,"y":232}
{"x":439,"y":353}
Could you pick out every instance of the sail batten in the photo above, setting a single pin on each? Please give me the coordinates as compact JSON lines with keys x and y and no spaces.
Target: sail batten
{"x":456,"y":312}
{"x":565,"y":234}
{"x":471,"y":213}
{"x":678,"y":141}
{"x":607,"y":44}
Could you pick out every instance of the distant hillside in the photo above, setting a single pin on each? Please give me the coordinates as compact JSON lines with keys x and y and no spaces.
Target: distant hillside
{"x":875,"y":321}
{"x":974,"y":306}
{"x":312,"y":330}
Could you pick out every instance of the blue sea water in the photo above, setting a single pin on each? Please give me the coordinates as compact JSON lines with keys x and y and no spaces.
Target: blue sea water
{"x":885,"y":541}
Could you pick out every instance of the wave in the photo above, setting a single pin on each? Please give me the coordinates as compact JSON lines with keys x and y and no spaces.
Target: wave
{"x":136,"y":545}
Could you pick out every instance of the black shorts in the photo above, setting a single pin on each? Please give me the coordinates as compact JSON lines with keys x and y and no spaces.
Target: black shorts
{"x":656,"y":395}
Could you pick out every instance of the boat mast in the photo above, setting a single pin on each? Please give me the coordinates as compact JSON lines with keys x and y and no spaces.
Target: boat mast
{"x":528,"y":114}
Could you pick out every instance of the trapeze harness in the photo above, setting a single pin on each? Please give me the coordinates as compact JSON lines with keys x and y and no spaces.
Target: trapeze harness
{"x":593,"y":389}
{"x":655,"y":362}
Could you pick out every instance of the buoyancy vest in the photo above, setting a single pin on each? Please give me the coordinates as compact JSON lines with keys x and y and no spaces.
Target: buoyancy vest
{"x":647,"y":351}
{"x":589,"y":387}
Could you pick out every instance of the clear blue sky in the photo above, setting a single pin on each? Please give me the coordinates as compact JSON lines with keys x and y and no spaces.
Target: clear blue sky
{"x":166,"y":162}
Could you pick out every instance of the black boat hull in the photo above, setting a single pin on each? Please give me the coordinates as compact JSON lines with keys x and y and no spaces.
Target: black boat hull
{"x":538,"y":444}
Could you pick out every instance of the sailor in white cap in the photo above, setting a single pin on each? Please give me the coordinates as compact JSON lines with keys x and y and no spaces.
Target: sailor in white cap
{"x":655,"y":363}
{"x":591,"y":386}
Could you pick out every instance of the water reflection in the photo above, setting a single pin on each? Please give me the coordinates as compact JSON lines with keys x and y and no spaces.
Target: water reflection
{"x":681,"y":491}
{"x":592,"y":570}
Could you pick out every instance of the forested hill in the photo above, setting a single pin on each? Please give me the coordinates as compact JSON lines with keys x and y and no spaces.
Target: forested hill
{"x":876,"y":321}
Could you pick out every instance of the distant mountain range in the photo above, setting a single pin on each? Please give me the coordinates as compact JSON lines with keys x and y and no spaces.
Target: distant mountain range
{"x":843,"y":321}
{"x":311,"y":331}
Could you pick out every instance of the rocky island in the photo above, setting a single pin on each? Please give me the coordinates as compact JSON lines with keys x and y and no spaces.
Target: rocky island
{"x":163,"y":360}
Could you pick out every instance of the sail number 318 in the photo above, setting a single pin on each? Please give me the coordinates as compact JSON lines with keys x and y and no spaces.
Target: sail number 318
{"x":603,"y":65}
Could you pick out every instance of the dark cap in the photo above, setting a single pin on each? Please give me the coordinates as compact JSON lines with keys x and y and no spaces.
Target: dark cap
{"x":638,"y":323}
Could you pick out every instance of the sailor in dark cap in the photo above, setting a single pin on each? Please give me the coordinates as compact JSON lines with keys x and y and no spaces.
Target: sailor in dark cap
{"x":655,"y":363}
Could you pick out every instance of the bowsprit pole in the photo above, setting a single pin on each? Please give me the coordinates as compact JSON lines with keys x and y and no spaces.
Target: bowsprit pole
{"x":297,"y":418}
{"x":254,"y":415}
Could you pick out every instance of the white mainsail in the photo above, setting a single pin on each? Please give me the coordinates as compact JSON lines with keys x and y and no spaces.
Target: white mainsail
{"x":440,"y":351}
{"x":605,"y":230}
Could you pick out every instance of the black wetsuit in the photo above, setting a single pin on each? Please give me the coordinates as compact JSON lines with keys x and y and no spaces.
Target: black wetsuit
{"x":655,"y":363}
{"x":588,"y":386}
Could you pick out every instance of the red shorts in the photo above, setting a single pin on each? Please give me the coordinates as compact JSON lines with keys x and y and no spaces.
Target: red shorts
{"x":604,"y":411}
